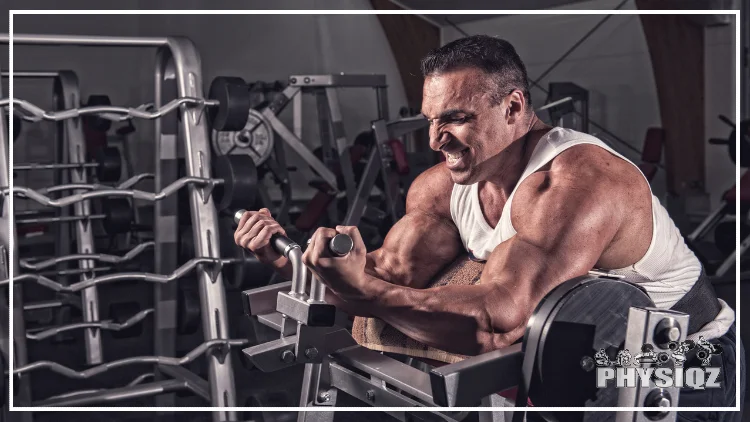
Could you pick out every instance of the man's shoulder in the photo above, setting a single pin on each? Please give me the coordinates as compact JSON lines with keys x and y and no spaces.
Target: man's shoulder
{"x":431,"y":191}
{"x":582,"y":180}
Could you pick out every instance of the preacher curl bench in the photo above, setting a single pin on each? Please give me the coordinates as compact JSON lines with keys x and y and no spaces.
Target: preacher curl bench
{"x":553,"y":366}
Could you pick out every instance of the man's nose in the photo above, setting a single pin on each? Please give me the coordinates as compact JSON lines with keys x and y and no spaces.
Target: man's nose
{"x":438,"y":139}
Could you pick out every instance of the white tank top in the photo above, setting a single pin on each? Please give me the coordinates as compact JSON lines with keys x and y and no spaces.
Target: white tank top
{"x":667,"y":271}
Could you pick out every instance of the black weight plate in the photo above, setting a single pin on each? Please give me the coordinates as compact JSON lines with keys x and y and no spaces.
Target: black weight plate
{"x":188,"y":310}
{"x":109,"y":160}
{"x":187,"y":246}
{"x":575,"y":320}
{"x":240,"y":184}
{"x":95,"y":122}
{"x":118,"y":215}
{"x":234,"y":103}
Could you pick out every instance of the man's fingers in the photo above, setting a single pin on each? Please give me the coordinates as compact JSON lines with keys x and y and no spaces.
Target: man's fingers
{"x":318,"y":246}
{"x":353,"y":232}
{"x":246,"y":225}
{"x":241,"y":225}
{"x":263,"y":237}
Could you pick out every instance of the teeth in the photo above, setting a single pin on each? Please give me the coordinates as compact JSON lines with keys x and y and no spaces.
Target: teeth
{"x":456,"y":156}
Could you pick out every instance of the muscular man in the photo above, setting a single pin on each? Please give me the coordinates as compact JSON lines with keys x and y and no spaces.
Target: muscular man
{"x":539,"y":204}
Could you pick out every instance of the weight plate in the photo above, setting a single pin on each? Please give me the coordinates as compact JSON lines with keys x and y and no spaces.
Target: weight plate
{"x":188,"y":311}
{"x":240,"y":185}
{"x":255,"y":139}
{"x":234,"y":101}
{"x":110,"y":164}
{"x":575,"y":320}
{"x":118,"y":215}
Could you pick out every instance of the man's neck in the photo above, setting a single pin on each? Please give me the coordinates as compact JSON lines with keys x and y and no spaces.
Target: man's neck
{"x":514,"y":159}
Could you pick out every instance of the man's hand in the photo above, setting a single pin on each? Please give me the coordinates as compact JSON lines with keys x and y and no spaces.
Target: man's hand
{"x":254,"y":233}
{"x":345,"y":275}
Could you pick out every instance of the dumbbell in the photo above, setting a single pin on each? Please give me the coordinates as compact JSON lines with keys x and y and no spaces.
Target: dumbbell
{"x":117,"y":217}
{"x":108,"y":165}
{"x":339,"y":245}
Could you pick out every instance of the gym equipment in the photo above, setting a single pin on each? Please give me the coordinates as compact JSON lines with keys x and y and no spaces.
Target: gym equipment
{"x":240,"y":181}
{"x":572,"y":114}
{"x":234,"y":102}
{"x":727,"y":208}
{"x":108,"y":165}
{"x":386,"y":162}
{"x":732,"y":142}
{"x":117,"y":217}
{"x":230,"y":105}
{"x":95,"y":122}
{"x":181,"y":120}
{"x":255,"y":139}
{"x":241,"y":269}
{"x":568,"y":328}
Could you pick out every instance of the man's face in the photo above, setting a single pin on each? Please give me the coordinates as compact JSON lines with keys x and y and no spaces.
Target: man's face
{"x":464,"y":124}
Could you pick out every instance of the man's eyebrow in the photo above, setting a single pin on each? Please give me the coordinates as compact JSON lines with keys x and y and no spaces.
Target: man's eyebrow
{"x":448,"y":113}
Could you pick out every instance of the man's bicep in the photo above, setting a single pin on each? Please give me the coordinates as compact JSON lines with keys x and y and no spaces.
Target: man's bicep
{"x":557,"y":240}
{"x":415,"y":249}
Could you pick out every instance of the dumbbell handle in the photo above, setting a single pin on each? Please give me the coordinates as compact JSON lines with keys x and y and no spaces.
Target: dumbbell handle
{"x":339,"y":245}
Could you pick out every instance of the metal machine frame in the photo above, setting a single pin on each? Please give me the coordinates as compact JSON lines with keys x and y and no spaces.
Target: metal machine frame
{"x":177,"y":74}
{"x":335,"y":362}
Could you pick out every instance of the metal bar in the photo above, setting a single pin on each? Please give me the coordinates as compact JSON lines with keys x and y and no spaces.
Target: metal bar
{"x":709,"y":222}
{"x":465,"y":383}
{"x":342,"y":145}
{"x":276,"y":321}
{"x":68,"y":219}
{"x":297,"y":115}
{"x":30,"y":74}
{"x":196,"y":384}
{"x":407,"y":125}
{"x":10,"y":241}
{"x":340,"y":80}
{"x":381,"y":137}
{"x":372,"y":168}
{"x":643,"y":328}
{"x":398,"y":374}
{"x":324,"y":129}
{"x":52,"y":166}
{"x":360,"y":387}
{"x":382,"y":100}
{"x":43,"y":305}
{"x":731,"y":260}
{"x":262,"y":300}
{"x":68,"y":95}
{"x":166,"y":227}
{"x":83,"y":40}
{"x":117,"y":394}
{"x":193,"y":131}
{"x":300,"y":148}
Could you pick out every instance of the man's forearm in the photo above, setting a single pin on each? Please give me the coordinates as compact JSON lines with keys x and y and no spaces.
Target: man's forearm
{"x":460,"y":319}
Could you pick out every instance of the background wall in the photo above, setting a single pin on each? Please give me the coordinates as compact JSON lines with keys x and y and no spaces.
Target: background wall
{"x":614,"y":65}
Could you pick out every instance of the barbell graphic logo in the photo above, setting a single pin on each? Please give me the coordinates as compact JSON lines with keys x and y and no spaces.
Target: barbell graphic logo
{"x":651,"y":367}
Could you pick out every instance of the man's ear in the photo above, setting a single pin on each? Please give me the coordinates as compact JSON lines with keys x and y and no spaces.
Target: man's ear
{"x":516,"y":104}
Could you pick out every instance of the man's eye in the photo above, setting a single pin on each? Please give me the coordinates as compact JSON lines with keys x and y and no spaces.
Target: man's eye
{"x":459,"y":120}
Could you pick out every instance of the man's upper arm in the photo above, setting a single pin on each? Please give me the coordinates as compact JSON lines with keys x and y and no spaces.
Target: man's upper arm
{"x":562,"y":228}
{"x":425,"y":240}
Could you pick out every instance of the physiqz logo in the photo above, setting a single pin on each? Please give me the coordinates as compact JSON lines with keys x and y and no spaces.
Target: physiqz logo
{"x":654,"y":369}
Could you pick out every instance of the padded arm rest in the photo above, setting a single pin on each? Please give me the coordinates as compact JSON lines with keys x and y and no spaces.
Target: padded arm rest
{"x":465,"y":383}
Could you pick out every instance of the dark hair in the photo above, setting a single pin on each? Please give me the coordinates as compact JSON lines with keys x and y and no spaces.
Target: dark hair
{"x":493,"y":55}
